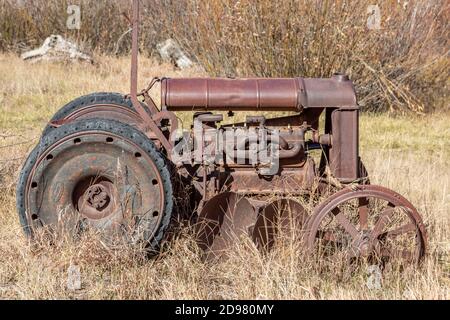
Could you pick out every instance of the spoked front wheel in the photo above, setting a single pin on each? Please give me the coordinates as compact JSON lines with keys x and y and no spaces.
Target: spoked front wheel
{"x":367,"y":222}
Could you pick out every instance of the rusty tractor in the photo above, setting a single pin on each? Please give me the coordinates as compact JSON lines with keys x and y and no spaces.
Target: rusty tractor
{"x":118,"y":164}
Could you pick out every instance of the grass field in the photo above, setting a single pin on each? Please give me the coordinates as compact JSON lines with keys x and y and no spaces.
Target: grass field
{"x":409,"y":154}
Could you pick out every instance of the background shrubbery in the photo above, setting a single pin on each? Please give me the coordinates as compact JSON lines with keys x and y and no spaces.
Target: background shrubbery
{"x":403,"y":66}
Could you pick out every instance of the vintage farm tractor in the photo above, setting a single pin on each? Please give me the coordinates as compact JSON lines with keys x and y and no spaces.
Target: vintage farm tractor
{"x":114,"y":163}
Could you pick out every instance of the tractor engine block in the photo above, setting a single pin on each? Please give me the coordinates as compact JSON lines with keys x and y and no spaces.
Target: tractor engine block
{"x":250,"y":157}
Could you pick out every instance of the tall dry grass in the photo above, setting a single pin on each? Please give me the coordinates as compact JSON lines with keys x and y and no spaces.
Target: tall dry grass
{"x":401,"y":67}
{"x":408,"y":154}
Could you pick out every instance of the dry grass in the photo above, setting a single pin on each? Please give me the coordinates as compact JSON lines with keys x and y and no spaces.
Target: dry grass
{"x":409,"y":154}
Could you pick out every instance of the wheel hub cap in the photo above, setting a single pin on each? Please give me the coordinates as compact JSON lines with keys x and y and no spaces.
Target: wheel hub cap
{"x":98,"y":201}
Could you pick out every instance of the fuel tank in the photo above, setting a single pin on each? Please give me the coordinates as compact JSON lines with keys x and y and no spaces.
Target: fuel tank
{"x":260,"y":94}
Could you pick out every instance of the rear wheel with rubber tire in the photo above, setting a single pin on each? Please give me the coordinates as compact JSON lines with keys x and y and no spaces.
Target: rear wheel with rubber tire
{"x":97,"y":174}
{"x":104,"y":105}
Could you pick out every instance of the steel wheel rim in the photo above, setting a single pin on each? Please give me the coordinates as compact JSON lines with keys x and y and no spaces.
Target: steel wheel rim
{"x":112,"y":141}
{"x":106,"y":111}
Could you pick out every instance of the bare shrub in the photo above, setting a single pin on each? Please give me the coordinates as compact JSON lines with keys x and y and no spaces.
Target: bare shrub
{"x":402,"y":66}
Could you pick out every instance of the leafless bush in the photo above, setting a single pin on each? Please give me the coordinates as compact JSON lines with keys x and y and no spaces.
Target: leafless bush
{"x":402,"y":66}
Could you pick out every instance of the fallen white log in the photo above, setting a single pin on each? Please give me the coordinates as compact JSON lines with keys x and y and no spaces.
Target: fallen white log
{"x":56,"y":48}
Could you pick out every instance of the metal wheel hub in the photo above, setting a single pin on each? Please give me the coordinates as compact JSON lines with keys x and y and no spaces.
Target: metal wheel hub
{"x":98,"y":201}
{"x":364,"y":245}
{"x":97,"y":197}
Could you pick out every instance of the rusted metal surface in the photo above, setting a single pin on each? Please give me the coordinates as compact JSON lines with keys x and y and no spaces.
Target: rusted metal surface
{"x":134,"y":82}
{"x":98,"y":200}
{"x":105,"y":111}
{"x":228,"y":216}
{"x":289,"y":94}
{"x":228,"y":94}
{"x":237,"y":192}
{"x":344,"y":149}
{"x":222,"y":221}
{"x":369,"y":222}
{"x":282,"y":217}
{"x":295,"y":181}
{"x":81,"y":181}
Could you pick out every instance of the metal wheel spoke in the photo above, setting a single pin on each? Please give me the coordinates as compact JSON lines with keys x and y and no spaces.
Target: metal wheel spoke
{"x":383,"y":220}
{"x":328,"y":236}
{"x":345,"y":223}
{"x":409,"y":227}
{"x":398,"y":253}
{"x":363,"y":213}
